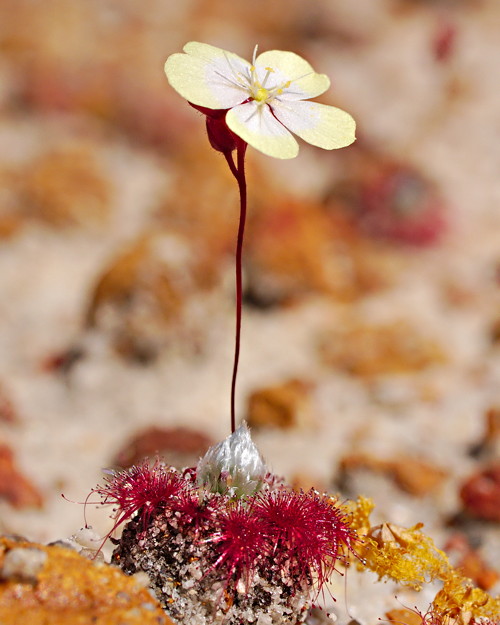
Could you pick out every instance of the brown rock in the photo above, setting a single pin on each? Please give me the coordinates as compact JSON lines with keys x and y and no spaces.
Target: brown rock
{"x":10,"y":224}
{"x":470,"y":563}
{"x":404,"y":616}
{"x":295,"y":248}
{"x":304,"y":482}
{"x":133,"y":269}
{"x":67,"y":186}
{"x":17,"y":489}
{"x":7,"y":410}
{"x":54,"y":585}
{"x":285,"y":405}
{"x":370,"y":350}
{"x":413,"y":475}
{"x":179,"y":447}
{"x":492,"y":423}
{"x":495,"y":330}
{"x":416,"y":476}
{"x":489,"y":445}
{"x":137,"y":300}
{"x":287,"y":253}
{"x":11,"y":219}
{"x":480,"y":494}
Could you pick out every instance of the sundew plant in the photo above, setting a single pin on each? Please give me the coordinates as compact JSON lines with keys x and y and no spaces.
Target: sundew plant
{"x":226,"y":541}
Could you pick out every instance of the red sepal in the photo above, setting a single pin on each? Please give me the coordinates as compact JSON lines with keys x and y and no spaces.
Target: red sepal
{"x":220,"y":136}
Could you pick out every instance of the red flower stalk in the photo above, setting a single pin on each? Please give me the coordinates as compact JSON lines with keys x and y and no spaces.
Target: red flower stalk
{"x":239,"y":543}
{"x":307,"y":532}
{"x":224,"y":140}
{"x":142,"y":487}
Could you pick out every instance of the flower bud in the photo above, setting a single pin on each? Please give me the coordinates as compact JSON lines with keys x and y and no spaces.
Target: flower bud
{"x":233,"y":466}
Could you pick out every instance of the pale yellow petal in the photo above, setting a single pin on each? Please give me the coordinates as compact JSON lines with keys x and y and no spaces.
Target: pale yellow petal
{"x":210,"y":53}
{"x":324,"y":126}
{"x":304,"y":82}
{"x":208,"y":76}
{"x":255,"y":124}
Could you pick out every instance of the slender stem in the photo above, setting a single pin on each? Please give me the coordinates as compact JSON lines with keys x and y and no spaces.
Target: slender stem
{"x":239,"y":174}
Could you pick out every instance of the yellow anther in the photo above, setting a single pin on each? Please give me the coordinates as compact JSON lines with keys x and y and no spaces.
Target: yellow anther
{"x":269,"y":69}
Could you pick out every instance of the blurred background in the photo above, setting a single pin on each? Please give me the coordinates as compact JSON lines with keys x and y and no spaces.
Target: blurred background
{"x":371,"y":325}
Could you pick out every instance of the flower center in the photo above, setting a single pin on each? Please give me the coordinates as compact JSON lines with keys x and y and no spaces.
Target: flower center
{"x":258,"y":90}
{"x":261,"y":95}
{"x":254,"y":87}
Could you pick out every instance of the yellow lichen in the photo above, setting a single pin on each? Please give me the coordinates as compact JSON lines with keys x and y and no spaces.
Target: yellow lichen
{"x":359,"y":514}
{"x":72,"y":590}
{"x":460,"y":600}
{"x":406,"y":555}
{"x":410,"y":557}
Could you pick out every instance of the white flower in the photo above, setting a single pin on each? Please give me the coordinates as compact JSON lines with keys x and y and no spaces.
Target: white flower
{"x":265,"y":99}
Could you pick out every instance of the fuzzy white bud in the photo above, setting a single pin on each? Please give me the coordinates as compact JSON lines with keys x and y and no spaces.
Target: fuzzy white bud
{"x":233,"y":466}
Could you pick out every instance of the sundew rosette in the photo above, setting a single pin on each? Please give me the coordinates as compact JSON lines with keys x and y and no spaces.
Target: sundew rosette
{"x":266,"y":101}
{"x":216,"y":555}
